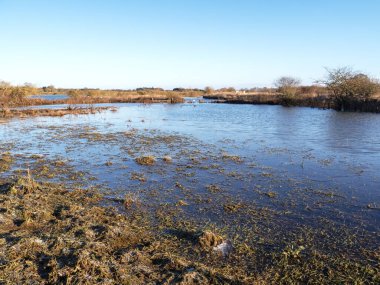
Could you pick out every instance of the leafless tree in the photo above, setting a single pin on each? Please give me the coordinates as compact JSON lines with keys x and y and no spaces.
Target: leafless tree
{"x":209,"y":90}
{"x":346,"y":84}
{"x":287,"y":85}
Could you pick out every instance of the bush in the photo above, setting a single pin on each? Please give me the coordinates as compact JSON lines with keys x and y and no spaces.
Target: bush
{"x":209,"y":90}
{"x":17,"y":95}
{"x":175,"y":98}
{"x":287,"y":85}
{"x":346,"y":84}
{"x":73,"y":93}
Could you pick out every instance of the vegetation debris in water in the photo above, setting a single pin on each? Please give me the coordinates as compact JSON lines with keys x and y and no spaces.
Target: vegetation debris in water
{"x":146,"y":160}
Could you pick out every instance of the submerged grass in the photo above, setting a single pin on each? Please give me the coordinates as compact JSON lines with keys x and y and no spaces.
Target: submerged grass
{"x":52,"y":234}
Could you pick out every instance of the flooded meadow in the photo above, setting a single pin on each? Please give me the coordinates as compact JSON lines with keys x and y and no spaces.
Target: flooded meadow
{"x":293,"y":193}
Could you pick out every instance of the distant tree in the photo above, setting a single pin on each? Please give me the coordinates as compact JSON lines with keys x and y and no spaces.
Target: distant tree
{"x":287,"y":85}
{"x":346,"y":84}
{"x":49,"y":88}
{"x":149,"y":89}
{"x":29,"y":88}
{"x":179,"y":89}
{"x":209,"y":90}
{"x":227,"y":89}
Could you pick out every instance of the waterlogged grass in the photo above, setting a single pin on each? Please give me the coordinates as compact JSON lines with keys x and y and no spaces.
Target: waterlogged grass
{"x":146,"y":160}
{"x":5,"y":161}
{"x":50,"y":234}
{"x":10,"y":113}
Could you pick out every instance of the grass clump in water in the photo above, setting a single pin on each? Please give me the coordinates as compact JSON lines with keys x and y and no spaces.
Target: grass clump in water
{"x":130,"y":200}
{"x":146,"y":160}
{"x":232,"y":207}
{"x":5,"y":161}
{"x":235,"y":158}
{"x":271,"y":194}
{"x":212,"y":188}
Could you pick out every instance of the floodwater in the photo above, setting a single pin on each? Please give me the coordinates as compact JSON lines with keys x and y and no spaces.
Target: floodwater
{"x":271,"y":170}
{"x":51,"y":97}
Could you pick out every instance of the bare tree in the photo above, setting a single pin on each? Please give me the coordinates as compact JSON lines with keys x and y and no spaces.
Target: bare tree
{"x":346,"y":84}
{"x":209,"y":90}
{"x":287,"y":85}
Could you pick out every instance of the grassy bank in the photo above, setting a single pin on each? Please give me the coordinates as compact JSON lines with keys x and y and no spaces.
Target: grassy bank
{"x":10,"y":113}
{"x":12,"y":96}
{"x":305,"y":100}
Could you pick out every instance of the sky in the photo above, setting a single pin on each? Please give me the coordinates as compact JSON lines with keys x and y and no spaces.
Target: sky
{"x":184,"y":43}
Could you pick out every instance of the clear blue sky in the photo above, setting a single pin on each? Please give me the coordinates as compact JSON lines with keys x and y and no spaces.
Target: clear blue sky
{"x":184,"y":43}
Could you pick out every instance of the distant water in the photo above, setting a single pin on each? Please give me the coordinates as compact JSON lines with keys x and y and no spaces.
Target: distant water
{"x":51,"y":97}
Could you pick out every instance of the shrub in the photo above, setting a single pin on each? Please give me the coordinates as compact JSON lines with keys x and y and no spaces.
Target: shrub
{"x":346,"y":84}
{"x":209,"y":90}
{"x":175,"y":98}
{"x":17,"y":95}
{"x":287,"y":85}
{"x":73,"y":93}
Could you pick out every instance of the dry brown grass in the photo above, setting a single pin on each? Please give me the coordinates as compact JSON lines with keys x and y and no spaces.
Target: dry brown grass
{"x":51,"y":112}
{"x":53,"y":235}
{"x":5,"y":161}
{"x":15,"y":96}
{"x":49,"y":235}
{"x":133,"y":96}
{"x":376,"y":96}
{"x":146,"y":160}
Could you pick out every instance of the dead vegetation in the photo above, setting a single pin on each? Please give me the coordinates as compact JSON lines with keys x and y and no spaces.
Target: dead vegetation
{"x":146,"y":160}
{"x":50,"y":235}
{"x":53,"y":236}
{"x":235,"y":158}
{"x":9,"y":113}
{"x":208,"y":239}
{"x":5,"y":161}
{"x":260,"y":240}
{"x":14,"y":96}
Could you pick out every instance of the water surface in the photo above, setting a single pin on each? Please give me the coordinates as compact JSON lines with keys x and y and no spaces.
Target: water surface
{"x":299,"y":166}
{"x":50,"y":97}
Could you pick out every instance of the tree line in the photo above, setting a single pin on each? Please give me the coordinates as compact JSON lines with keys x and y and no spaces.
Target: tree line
{"x":343,"y":85}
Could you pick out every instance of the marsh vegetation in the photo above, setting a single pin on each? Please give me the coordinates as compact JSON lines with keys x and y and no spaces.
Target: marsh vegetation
{"x":127,"y":196}
{"x":342,"y":89}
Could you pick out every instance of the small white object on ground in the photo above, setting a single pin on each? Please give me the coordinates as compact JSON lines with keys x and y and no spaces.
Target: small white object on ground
{"x":224,"y":248}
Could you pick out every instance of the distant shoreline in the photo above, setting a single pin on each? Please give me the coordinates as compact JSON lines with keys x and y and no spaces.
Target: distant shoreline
{"x":322,"y":101}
